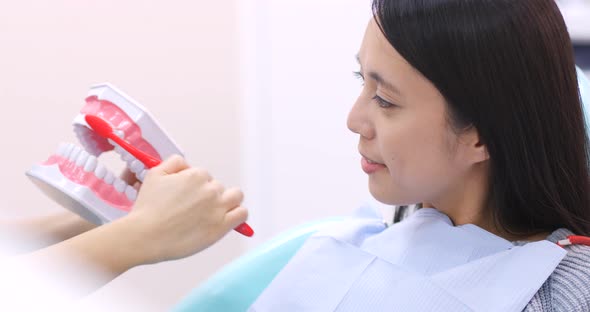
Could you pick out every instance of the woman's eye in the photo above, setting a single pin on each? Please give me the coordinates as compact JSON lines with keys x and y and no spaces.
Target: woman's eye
{"x":383,"y":103}
{"x":359,"y":76}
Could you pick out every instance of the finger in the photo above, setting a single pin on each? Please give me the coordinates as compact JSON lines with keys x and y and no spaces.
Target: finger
{"x":172,"y":164}
{"x":236,"y":217}
{"x":232,"y":198}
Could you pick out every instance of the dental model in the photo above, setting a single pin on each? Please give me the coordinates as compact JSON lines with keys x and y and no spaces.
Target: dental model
{"x":75,"y":179}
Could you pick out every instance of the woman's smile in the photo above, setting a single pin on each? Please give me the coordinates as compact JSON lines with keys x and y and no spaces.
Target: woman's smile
{"x":369,"y":166}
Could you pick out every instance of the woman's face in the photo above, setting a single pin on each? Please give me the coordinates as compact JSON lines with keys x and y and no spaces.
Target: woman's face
{"x":408,"y":149}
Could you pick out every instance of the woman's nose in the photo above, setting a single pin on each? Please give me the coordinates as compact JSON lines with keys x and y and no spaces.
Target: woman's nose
{"x":358,"y":121}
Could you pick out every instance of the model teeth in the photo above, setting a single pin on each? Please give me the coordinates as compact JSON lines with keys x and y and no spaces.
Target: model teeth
{"x":133,"y":164}
{"x":90,"y":163}
{"x":120,"y":185}
{"x":136,"y":166}
{"x":122,"y":112}
{"x":62,"y":149}
{"x":131,"y":193}
{"x":127,"y":157}
{"x":100,"y":171}
{"x":141,"y":175}
{"x":74,"y":154}
{"x":113,"y":143}
{"x":81,"y":159}
{"x":68,"y":150}
{"x":86,"y":137}
{"x":109,"y":178}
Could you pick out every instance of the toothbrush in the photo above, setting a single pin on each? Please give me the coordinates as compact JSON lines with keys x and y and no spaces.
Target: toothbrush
{"x":104,"y":129}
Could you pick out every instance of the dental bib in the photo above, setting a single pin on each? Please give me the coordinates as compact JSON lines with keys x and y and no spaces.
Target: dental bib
{"x":423,"y":263}
{"x":74,"y":177}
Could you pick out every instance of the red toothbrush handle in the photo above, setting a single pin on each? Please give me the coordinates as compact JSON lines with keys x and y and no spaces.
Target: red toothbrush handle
{"x":574,"y":240}
{"x":148,"y":160}
{"x":579,"y":240}
{"x":244,"y":229}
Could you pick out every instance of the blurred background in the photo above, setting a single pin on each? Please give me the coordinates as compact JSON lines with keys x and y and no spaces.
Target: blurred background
{"x":257,"y":92}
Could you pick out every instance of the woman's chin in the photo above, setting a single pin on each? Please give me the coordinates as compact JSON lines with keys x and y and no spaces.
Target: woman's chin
{"x":383,"y":196}
{"x":387,"y":197}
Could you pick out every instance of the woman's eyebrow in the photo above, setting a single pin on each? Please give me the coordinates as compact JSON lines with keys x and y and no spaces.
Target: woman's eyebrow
{"x":375,"y":76}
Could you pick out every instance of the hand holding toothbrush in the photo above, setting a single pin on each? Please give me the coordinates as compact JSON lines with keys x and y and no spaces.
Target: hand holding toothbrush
{"x":169,"y":221}
{"x":104,"y":129}
{"x":184,"y":209}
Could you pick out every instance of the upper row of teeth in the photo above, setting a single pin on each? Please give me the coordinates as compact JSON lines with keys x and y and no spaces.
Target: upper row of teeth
{"x":133,"y":164}
{"x":90,"y":164}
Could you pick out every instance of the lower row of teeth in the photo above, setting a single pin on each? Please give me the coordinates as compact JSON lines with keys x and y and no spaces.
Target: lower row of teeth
{"x":90,"y":164}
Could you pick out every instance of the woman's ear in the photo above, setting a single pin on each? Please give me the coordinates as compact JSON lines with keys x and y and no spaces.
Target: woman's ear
{"x":482,"y":151}
{"x":475,"y":149}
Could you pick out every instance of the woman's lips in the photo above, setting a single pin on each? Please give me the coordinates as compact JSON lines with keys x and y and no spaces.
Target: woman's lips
{"x":369,"y":166}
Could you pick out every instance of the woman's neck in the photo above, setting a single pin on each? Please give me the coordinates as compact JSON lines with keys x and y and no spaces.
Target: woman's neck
{"x":484,"y":221}
{"x":466,"y":202}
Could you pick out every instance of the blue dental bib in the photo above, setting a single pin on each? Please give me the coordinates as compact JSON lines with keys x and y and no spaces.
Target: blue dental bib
{"x":423,"y":263}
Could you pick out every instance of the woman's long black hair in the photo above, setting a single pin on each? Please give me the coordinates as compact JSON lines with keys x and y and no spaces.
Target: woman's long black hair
{"x":506,"y":67}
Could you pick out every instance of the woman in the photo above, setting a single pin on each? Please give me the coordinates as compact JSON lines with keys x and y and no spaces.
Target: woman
{"x":472,"y":107}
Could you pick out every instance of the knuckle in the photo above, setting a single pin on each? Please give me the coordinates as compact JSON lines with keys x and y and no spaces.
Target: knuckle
{"x":212,"y":189}
{"x":192,"y":173}
{"x":175,"y":158}
{"x":202,"y":173}
{"x":198,"y":174}
{"x":217,"y":186}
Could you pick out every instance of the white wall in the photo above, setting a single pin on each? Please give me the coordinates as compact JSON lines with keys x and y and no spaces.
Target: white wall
{"x":178,"y":58}
{"x":300,"y":161}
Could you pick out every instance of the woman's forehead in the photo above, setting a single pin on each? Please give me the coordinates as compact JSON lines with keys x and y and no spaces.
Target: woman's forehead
{"x":377,"y":54}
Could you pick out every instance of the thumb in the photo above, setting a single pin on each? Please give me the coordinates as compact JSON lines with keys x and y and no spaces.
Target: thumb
{"x":172,"y":164}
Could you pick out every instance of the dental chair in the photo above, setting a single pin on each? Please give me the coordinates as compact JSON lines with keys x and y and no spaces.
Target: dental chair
{"x":238,"y":285}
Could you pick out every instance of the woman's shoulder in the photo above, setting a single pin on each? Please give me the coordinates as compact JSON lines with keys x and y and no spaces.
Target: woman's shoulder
{"x":577,"y":258}
{"x":568,"y":287}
